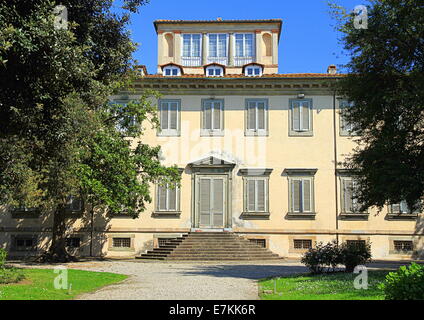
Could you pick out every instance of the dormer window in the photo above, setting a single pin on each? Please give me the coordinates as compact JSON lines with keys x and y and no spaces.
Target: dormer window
{"x":253,"y":71}
{"x":214,"y":70}
{"x":171,"y":71}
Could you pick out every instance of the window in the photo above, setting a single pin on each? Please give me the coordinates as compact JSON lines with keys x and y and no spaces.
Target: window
{"x":402,"y":208}
{"x":256,"y":117}
{"x":164,"y":241}
{"x":212,"y":117}
{"x":74,"y":242}
{"x":121,"y":242}
{"x":356,"y":243}
{"x":171,"y":71}
{"x":169,"y":117}
{"x":301,"y":117}
{"x":302,"y":244}
{"x":259,"y":242}
{"x":214,"y":72}
{"x":124,"y":121}
{"x":349,"y":202}
{"x":301,"y":195}
{"x":244,"y":45}
{"x":218,"y":45}
{"x":192,"y":55}
{"x":253,"y":71}
{"x":23,"y":212}
{"x":256,"y":192}
{"x":346,"y":128}
{"x":24,"y":243}
{"x":167,"y":198}
{"x":403,"y":246}
{"x":73,"y":204}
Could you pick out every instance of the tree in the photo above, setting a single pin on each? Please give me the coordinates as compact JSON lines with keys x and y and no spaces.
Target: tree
{"x":59,"y":135}
{"x":385,"y":83}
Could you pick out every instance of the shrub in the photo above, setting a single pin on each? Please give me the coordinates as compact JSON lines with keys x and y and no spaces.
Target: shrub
{"x":324,"y":257}
{"x":405,"y":284}
{"x":11,"y":275}
{"x":3,"y":255}
{"x":352,"y":255}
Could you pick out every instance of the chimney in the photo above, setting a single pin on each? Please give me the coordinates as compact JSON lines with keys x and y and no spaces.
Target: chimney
{"x":332,"y":69}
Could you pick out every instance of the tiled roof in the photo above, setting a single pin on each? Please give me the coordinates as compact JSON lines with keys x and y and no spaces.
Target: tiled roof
{"x":164,"y":21}
{"x":240,"y":76}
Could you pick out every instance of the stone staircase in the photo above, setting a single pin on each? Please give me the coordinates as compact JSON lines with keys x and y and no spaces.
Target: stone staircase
{"x":209,"y":246}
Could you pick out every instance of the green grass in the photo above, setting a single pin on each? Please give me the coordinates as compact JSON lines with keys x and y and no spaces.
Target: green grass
{"x":39,"y":284}
{"x":336,"y":286}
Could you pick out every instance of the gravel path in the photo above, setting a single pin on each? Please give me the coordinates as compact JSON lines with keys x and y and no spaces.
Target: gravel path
{"x":188,"y":281}
{"x":185,"y":281}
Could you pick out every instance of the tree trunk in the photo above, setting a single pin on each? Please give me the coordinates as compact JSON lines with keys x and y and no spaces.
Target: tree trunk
{"x":57,"y":251}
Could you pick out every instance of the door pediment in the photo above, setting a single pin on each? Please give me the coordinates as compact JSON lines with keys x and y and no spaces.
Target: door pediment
{"x":212,"y":161}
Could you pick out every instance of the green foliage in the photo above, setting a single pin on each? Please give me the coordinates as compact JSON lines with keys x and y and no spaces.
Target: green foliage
{"x":59,"y":134}
{"x":326,"y":257}
{"x":40,"y":284}
{"x":386,"y":85}
{"x":11,"y":275}
{"x":405,"y":284}
{"x":333,"y":286}
{"x":3,"y":256}
{"x":352,"y":255}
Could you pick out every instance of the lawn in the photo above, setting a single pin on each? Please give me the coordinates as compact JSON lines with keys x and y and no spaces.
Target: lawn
{"x":39,"y":284}
{"x":336,"y":286}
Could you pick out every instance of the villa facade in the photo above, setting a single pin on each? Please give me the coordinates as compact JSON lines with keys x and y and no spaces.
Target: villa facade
{"x":260,"y":155}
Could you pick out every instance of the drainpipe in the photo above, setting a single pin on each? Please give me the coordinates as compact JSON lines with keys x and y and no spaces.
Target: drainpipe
{"x":335,"y":165}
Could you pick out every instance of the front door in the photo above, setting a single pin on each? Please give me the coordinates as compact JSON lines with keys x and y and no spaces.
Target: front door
{"x":212,"y":201}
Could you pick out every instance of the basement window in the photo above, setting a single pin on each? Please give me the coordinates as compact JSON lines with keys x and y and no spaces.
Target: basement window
{"x":302,"y":244}
{"x":73,"y":242}
{"x":122,"y":242}
{"x":403,"y":246}
{"x":356,"y":243}
{"x":259,"y":242}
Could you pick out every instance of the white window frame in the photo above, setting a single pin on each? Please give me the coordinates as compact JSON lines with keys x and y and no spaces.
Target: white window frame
{"x":214,"y":68}
{"x":167,"y":204}
{"x":190,"y":60}
{"x":244,"y":44}
{"x":253,"y":68}
{"x":167,"y":132}
{"x":218,"y":58}
{"x":172,"y":70}
{"x":302,"y":131}
{"x":256,"y":131}
{"x":212,"y":132}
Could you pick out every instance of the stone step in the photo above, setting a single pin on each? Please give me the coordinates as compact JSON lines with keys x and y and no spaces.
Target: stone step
{"x":209,"y":246}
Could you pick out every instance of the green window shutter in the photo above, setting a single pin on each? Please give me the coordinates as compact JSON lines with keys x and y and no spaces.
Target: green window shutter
{"x":307,"y":193}
{"x":296,"y":116}
{"x":251,"y":191}
{"x":173,"y":116}
{"x":205,"y":195}
{"x":218,"y":202}
{"x":251,"y":116}
{"x":305,"y":116}
{"x":348,"y":195}
{"x":261,"y":116}
{"x":164,"y":116}
{"x":217,"y":116}
{"x":260,"y":186}
{"x":296,"y":195}
{"x":207,"y":116}
{"x":172,"y":199}
{"x":161,"y":198}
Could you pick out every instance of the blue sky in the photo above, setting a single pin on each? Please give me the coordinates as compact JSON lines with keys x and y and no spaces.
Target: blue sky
{"x":308,"y":40}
